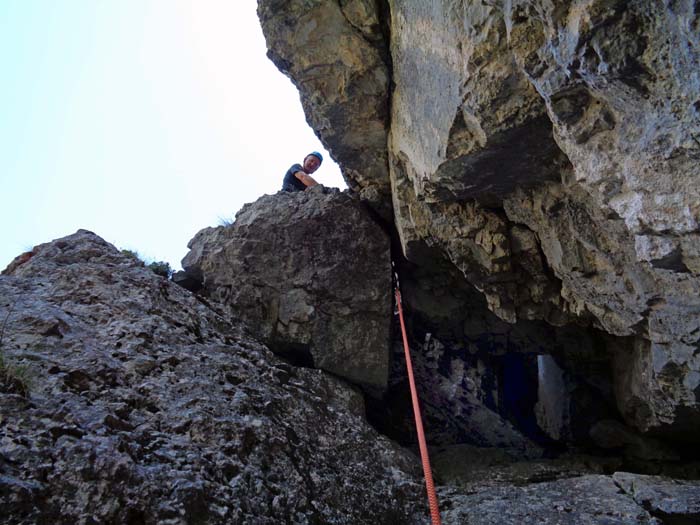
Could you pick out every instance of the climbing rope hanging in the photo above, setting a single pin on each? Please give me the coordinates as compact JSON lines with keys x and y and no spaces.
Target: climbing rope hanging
{"x":430,"y":487}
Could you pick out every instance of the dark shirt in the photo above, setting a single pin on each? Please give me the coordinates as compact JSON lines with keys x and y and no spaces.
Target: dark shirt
{"x":291,"y":183}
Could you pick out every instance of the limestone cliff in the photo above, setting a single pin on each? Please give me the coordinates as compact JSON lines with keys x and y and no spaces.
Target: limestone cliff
{"x":144,"y":403}
{"x":548,"y":151}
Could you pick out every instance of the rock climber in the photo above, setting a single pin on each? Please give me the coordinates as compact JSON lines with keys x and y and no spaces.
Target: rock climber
{"x":298,"y":177}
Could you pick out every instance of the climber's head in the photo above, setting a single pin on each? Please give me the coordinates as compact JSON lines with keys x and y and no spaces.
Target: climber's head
{"x":312,"y":161}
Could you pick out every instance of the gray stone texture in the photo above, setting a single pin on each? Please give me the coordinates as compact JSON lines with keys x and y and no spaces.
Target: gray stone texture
{"x":310,"y":274}
{"x":598,"y":223}
{"x":478,"y":375}
{"x":674,"y":501}
{"x":584,"y":500}
{"x":549,"y":151}
{"x":148,"y":406}
{"x":540,"y":161}
{"x":488,"y":487}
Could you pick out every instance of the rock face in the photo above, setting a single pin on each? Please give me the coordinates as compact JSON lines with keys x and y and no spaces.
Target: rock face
{"x":673,"y":501}
{"x":582,"y":500}
{"x":310,"y":273}
{"x":483,"y":379}
{"x":586,"y":121}
{"x":538,"y":160}
{"x":549,"y":151}
{"x":486,"y":486}
{"x":147,"y":406}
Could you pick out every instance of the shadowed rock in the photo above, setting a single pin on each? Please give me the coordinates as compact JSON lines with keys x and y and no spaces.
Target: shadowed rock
{"x":149,"y":407}
{"x":590,"y":500}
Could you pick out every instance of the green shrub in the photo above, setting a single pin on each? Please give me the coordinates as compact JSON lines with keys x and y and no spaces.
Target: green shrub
{"x":14,"y":378}
{"x":161,"y":268}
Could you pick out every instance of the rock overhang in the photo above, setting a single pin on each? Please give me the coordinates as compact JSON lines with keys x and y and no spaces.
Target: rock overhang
{"x":568,"y":137}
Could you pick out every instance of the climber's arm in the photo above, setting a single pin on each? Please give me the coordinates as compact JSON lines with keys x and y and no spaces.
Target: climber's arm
{"x":307,"y":179}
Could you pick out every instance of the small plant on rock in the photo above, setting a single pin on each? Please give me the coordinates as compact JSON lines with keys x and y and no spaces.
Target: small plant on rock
{"x":134,"y":255}
{"x":161,"y":268}
{"x":14,"y":378}
{"x":226,"y":221}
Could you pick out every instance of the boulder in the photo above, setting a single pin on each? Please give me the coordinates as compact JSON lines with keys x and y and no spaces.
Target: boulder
{"x":310,"y":274}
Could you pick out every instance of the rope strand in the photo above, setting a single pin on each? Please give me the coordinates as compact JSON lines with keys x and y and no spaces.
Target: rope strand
{"x":430,"y":487}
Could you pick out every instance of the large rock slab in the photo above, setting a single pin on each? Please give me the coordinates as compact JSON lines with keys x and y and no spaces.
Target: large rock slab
{"x":622,"y":232}
{"x":310,"y":273}
{"x":477,"y":469}
{"x":488,"y":486}
{"x":556,"y":170}
{"x":584,"y":500}
{"x":672,"y":500}
{"x":147,"y":406}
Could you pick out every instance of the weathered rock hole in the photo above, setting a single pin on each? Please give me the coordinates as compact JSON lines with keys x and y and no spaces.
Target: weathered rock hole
{"x":673,"y":261}
{"x":570,"y":105}
{"x":295,"y":354}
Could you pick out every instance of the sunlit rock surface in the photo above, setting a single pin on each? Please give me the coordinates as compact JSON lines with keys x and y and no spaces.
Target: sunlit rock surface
{"x":535,"y":164}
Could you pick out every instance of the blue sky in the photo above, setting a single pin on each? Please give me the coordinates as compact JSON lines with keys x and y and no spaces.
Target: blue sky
{"x":141,"y":120}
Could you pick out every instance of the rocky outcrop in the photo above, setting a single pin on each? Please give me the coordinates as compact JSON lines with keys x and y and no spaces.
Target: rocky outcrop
{"x":147,"y":406}
{"x":310,"y":274}
{"x":492,"y":383}
{"x":549,"y":152}
{"x":487,"y":486}
{"x":539,"y":160}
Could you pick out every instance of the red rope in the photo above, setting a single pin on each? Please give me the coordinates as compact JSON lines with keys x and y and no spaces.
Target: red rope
{"x":430,"y":487}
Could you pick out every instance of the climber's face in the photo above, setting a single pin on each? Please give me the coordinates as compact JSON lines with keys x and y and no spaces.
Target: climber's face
{"x":311,"y":163}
